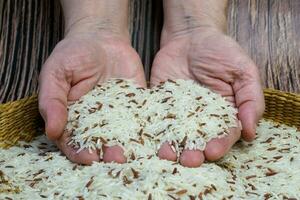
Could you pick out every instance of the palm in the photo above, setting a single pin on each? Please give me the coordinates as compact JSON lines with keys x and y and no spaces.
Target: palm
{"x":217,"y":62}
{"x":87,"y":62}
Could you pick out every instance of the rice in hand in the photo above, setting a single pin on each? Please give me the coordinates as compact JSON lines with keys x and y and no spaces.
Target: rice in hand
{"x":139,"y":120}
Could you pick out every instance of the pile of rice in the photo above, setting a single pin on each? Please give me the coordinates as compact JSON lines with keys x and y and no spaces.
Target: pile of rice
{"x":140,"y":120}
{"x":267,"y":168}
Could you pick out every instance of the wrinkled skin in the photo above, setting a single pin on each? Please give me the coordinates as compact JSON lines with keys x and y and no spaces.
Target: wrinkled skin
{"x":216,"y":61}
{"x":75,"y":66}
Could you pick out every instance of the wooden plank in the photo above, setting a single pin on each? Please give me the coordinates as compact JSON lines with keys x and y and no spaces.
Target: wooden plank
{"x":29,"y":31}
{"x":146,"y":23}
{"x":269,"y":31}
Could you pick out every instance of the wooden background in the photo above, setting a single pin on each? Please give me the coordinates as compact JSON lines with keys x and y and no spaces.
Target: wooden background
{"x":267,"y":29}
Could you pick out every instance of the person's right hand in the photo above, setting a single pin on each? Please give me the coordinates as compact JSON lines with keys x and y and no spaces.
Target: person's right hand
{"x":76,"y":65}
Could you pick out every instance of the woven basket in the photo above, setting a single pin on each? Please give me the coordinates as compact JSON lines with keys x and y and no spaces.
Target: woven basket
{"x":20,"y":120}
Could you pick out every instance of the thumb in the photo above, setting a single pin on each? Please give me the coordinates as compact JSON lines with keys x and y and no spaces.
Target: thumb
{"x":249,"y":117}
{"x":250,"y":102}
{"x":53,"y":93}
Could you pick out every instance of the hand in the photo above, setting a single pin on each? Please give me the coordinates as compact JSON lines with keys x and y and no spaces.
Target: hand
{"x":216,"y":61}
{"x":86,"y":56}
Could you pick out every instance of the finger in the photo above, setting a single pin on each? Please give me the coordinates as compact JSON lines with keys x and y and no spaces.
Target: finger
{"x":166,"y":152}
{"x":114,"y":154}
{"x":82,"y":87}
{"x":83,"y":157}
{"x":250,"y":102}
{"x":249,"y":117}
{"x":218,"y":147}
{"x":53,"y":93}
{"x":191,"y":158}
{"x":86,"y":72}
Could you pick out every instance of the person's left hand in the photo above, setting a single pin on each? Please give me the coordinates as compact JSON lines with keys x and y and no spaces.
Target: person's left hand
{"x":217,"y":62}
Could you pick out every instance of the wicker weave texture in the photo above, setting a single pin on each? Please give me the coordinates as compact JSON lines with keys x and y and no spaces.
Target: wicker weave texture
{"x":20,"y":120}
{"x":282,"y":107}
